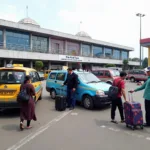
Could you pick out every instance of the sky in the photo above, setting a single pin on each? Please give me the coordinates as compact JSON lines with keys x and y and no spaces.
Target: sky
{"x":106,"y":20}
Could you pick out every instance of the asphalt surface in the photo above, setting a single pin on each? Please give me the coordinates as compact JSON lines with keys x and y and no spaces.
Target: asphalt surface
{"x":79,"y":129}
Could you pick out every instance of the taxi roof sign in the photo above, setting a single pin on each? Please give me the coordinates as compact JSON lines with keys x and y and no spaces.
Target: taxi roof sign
{"x":17,"y":65}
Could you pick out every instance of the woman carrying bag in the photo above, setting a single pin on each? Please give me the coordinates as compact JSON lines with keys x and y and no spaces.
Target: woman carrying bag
{"x":27,"y":105}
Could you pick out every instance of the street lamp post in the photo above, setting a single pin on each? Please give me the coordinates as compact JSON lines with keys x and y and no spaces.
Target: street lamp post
{"x":140,"y":15}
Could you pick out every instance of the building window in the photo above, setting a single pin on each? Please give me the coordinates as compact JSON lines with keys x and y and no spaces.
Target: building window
{"x":86,"y":50}
{"x":39,"y":44}
{"x":116,"y":54}
{"x":17,"y":40}
{"x":73,"y":49}
{"x":108,"y":52}
{"x":56,"y":48}
{"x":124,"y":55}
{"x":98,"y":52}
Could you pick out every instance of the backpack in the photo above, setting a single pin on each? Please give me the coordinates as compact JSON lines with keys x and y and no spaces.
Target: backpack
{"x":114,"y":90}
{"x":23,"y":96}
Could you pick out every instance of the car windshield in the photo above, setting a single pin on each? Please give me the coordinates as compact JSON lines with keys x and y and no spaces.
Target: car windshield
{"x":11,"y":76}
{"x":41,"y":73}
{"x":115,"y":73}
{"x":88,"y":77}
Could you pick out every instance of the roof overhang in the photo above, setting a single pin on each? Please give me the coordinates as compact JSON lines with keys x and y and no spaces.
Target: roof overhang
{"x":145,"y":42}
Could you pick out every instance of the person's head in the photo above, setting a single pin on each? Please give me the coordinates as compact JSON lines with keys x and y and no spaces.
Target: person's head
{"x":27,"y":79}
{"x":123,"y":74}
{"x":147,"y":70}
{"x":69,"y":70}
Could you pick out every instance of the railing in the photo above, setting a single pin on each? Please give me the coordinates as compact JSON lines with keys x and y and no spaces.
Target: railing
{"x":21,"y":47}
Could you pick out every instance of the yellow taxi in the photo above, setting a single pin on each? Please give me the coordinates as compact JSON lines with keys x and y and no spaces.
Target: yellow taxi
{"x":46,"y":73}
{"x":11,"y":78}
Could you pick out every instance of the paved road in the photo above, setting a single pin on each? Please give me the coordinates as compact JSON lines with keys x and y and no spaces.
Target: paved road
{"x":76,"y":130}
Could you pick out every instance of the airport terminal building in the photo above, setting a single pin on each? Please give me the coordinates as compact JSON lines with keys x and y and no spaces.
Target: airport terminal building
{"x":25,"y":41}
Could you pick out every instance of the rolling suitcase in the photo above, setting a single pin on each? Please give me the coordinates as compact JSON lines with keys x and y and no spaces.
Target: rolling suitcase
{"x":133,"y":113}
{"x":60,"y":102}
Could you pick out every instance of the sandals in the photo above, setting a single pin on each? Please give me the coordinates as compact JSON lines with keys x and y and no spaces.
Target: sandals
{"x":21,"y":126}
{"x":29,"y":127}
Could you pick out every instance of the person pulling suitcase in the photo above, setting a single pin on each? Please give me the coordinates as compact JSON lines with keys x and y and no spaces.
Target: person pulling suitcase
{"x":146,"y":96}
{"x":71,"y":82}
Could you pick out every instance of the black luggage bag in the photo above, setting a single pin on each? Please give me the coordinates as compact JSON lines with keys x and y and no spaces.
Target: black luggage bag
{"x":60,"y":103}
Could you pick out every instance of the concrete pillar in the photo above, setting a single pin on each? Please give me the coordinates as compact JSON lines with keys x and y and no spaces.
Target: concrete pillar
{"x":49,"y":45}
{"x":80,"y":54}
{"x":4,"y":38}
{"x":49,"y":65}
{"x":149,"y":56}
{"x":5,"y":62}
{"x":31,"y":64}
{"x":66,"y":49}
{"x":31,"y":42}
{"x":120,"y":55}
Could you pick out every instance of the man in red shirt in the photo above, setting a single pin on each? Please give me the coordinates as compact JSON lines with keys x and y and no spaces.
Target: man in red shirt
{"x":120,"y":83}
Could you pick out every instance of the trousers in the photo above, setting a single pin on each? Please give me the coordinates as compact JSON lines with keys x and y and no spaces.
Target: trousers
{"x":117,"y":103}
{"x":147,"y":111}
{"x":71,"y":99}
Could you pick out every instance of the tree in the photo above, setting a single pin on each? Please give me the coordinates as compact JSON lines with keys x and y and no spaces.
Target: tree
{"x":135,"y":59}
{"x":39,"y":65}
{"x":110,"y":65}
{"x":125,"y":64}
{"x":145,"y":62}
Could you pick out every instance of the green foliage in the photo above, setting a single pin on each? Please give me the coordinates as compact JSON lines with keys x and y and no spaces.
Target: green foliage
{"x":110,"y":65}
{"x":145,"y":62}
{"x":39,"y":65}
{"x":125,"y":64}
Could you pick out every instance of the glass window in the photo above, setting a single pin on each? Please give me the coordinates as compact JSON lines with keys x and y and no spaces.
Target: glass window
{"x":61,"y":76}
{"x":98,"y":51}
{"x":11,"y":77}
{"x":108,"y":52}
{"x":124,"y":55}
{"x":95,"y":73}
{"x":116,"y":54}
{"x":1,"y":36}
{"x":73,"y":50}
{"x":34,"y":77}
{"x":52,"y":76}
{"x":107,"y":74}
{"x":40,"y":44}
{"x":86,"y":50}
{"x":16,"y":40}
{"x":101,"y":73}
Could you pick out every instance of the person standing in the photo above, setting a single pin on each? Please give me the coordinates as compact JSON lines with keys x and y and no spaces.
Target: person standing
{"x":71,"y":82}
{"x":120,"y":83}
{"x":27,"y":110}
{"x":146,"y":96}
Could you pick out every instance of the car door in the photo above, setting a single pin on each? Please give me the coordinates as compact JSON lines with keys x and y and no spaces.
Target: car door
{"x":60,"y":78}
{"x":36,"y":82}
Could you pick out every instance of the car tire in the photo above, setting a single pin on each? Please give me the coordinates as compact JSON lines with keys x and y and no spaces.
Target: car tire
{"x":53,"y":94}
{"x":88,"y":102}
{"x":132,"y":79}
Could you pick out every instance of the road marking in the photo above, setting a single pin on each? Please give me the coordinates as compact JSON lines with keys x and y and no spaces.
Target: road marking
{"x":126,"y":132}
{"x":38,"y":132}
{"x":74,"y":114}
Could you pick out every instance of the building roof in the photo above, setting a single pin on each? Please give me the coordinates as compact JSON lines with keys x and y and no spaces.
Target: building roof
{"x":83,"y":34}
{"x":42,"y":31}
{"x":29,"y":21}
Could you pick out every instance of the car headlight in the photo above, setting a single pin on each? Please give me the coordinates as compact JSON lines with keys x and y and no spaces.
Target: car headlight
{"x":100,"y":93}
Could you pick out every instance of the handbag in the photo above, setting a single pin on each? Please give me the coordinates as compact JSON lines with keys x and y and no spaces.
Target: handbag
{"x":23,"y":96}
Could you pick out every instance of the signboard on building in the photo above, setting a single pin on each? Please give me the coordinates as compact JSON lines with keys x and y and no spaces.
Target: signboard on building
{"x":70,"y":58}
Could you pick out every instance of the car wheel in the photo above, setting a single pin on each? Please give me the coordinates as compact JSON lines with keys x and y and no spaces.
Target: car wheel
{"x":88,"y":102}
{"x":53,"y":94}
{"x":132,"y":79}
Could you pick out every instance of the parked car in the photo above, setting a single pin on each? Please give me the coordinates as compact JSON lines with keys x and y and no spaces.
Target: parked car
{"x":137,"y":75}
{"x":91,"y":91}
{"x":106,"y":75}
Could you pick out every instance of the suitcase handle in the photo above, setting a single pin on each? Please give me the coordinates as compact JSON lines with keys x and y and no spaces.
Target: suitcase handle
{"x":130,"y":95}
